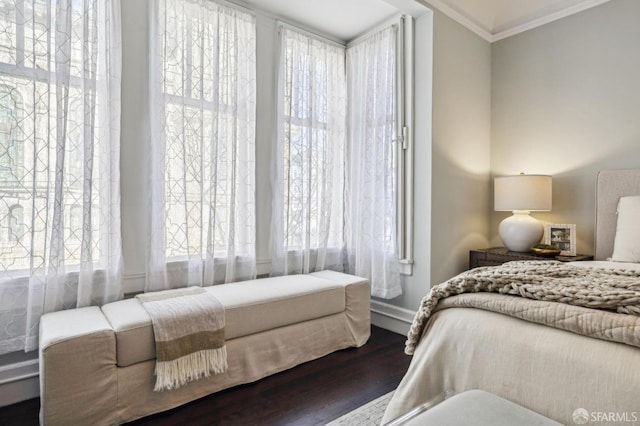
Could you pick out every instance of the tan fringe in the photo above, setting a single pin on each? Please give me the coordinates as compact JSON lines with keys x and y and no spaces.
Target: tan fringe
{"x":197,"y":365}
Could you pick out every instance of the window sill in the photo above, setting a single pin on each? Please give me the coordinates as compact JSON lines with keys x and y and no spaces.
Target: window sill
{"x":406,"y":267}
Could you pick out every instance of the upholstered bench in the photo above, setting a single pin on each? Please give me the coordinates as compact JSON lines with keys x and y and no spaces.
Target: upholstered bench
{"x":97,"y":364}
{"x":472,"y":408}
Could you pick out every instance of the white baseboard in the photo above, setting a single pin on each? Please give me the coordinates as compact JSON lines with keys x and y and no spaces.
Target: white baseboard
{"x":390,"y":317}
{"x":19,"y":382}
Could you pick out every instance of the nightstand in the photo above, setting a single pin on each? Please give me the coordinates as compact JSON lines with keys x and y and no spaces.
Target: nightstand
{"x":498,"y":255}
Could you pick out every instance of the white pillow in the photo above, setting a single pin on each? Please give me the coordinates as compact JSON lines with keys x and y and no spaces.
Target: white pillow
{"x":626,"y":246}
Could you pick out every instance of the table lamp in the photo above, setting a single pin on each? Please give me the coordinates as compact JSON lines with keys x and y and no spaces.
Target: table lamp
{"x":521,"y":194}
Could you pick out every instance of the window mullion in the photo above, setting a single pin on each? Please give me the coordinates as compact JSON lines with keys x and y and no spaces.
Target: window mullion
{"x":188,"y":59}
{"x":20,"y":33}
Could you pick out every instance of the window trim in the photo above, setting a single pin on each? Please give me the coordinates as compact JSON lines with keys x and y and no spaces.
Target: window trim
{"x":405,"y":191}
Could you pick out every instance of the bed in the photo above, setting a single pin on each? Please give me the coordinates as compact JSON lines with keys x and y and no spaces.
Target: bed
{"x":587,"y":359}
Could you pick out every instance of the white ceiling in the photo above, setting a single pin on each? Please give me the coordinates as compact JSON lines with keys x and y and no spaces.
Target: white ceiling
{"x":493,"y":20}
{"x":341,"y":19}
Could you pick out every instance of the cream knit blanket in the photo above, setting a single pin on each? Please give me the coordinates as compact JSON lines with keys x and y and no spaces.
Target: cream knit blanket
{"x":616,"y":290}
{"x":188,"y":325}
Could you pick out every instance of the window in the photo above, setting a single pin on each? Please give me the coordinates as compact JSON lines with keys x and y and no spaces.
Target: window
{"x":373,"y":154}
{"x":38,"y":111}
{"x":204,"y":173}
{"x":308,"y":231}
{"x":59,"y":161}
{"x":340,"y":178}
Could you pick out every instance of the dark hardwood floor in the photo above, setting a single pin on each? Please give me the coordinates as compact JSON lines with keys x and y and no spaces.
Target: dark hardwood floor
{"x":311,"y":394}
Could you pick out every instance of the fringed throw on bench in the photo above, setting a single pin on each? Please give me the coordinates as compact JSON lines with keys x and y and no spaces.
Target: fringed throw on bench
{"x":188,"y":325}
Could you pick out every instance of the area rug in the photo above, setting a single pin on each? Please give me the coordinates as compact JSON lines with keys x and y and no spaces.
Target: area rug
{"x":366,"y":415}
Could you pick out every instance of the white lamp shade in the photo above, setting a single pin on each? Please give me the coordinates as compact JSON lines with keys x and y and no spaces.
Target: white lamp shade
{"x":522,"y":192}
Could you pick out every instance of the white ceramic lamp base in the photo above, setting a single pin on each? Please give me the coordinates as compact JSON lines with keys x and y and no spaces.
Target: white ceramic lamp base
{"x":520,"y":231}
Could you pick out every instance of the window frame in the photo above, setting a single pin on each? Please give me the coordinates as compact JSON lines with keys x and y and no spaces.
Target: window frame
{"x":404,"y":64}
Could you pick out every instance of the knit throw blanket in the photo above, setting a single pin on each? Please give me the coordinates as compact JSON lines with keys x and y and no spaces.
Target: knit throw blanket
{"x":188,"y":325}
{"x":614,"y":290}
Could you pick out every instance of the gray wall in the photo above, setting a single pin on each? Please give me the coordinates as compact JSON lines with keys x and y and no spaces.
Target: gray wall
{"x":461,"y":147}
{"x":566,"y":102}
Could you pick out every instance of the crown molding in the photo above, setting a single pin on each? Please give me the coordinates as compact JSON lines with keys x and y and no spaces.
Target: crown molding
{"x":461,"y":19}
{"x":487,"y":35}
{"x":547,"y":19}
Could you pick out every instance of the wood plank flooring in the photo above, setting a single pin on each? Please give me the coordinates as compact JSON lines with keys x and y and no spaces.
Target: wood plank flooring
{"x":311,"y":394}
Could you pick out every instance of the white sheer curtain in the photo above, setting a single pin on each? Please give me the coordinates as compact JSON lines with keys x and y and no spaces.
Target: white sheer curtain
{"x":203,"y":107}
{"x":308,"y":176}
{"x":59,"y":161}
{"x":371,"y":171}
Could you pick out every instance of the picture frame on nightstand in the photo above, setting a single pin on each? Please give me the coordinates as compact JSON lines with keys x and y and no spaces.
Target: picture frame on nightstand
{"x":561,"y":235}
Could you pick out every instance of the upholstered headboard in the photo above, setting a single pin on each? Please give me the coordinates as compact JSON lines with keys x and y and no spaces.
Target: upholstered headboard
{"x":610,"y":186}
